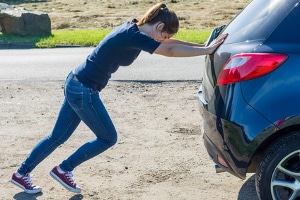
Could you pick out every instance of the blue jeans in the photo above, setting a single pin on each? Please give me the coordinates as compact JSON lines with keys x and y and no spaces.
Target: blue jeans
{"x":80,"y":104}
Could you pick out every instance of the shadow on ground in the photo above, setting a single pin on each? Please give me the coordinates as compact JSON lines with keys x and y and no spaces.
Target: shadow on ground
{"x":248,"y":191}
{"x":23,"y":195}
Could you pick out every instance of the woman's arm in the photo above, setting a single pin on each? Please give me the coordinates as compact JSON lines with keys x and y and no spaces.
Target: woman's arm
{"x":177,"y":48}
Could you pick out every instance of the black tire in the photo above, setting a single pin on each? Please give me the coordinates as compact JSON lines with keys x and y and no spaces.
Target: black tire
{"x":276,"y":176}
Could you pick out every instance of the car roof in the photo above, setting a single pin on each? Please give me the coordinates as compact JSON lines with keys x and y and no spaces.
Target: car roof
{"x":260,"y":18}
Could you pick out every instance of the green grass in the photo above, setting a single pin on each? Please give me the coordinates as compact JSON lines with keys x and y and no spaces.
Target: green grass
{"x":73,"y":37}
{"x":87,"y":38}
{"x":196,"y":36}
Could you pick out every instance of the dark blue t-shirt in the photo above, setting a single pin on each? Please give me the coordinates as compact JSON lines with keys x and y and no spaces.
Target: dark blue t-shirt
{"x":119,"y":48}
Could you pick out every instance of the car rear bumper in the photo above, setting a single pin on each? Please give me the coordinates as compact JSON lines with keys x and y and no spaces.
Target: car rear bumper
{"x":222,"y":155}
{"x":233,"y":130}
{"x":215,"y":153}
{"x":217,"y":143}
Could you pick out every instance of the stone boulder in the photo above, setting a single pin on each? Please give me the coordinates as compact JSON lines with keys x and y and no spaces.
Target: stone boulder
{"x":20,"y":21}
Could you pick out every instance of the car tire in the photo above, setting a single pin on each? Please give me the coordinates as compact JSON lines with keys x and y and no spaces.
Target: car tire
{"x":278,"y":174}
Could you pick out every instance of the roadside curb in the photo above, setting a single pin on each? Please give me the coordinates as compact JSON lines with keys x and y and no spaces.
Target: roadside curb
{"x":9,"y":45}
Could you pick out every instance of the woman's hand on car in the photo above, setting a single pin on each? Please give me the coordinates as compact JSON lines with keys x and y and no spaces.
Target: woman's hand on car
{"x":216,"y":43}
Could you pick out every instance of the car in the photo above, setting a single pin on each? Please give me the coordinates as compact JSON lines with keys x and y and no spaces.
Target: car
{"x":249,"y":98}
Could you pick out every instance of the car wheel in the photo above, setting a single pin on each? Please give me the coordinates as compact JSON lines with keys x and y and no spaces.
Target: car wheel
{"x":278,"y":175}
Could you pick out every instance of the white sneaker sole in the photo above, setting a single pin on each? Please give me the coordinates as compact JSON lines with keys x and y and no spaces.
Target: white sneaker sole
{"x":34,"y":191}
{"x":78,"y":190}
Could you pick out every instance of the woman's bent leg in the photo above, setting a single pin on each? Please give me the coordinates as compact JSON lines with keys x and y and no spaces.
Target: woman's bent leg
{"x":66,"y":123}
{"x":96,"y":117}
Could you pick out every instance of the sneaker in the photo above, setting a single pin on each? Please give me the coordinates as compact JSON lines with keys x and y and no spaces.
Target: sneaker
{"x":66,"y":179}
{"x":25,"y":183}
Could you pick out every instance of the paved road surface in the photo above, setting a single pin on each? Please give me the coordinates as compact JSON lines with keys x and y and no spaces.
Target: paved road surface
{"x":55,"y":64}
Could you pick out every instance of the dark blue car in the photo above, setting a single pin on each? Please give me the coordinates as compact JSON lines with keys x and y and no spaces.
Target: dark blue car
{"x":250,"y":98}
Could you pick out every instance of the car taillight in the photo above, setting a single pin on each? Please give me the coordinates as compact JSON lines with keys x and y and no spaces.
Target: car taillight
{"x":242,"y":67}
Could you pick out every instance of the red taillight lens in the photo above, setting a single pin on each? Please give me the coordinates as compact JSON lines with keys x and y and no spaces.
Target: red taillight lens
{"x":247,"y":66}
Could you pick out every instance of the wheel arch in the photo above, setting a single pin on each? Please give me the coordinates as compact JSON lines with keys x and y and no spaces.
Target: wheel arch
{"x":267,"y":142}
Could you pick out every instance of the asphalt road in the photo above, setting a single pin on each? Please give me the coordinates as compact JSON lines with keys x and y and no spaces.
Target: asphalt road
{"x":55,"y":64}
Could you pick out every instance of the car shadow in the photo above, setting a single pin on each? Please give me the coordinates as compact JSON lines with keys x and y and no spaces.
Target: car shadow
{"x":248,"y":191}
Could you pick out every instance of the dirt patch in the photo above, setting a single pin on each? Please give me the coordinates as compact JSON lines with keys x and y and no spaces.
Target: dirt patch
{"x":159,"y":154}
{"x":101,"y":14}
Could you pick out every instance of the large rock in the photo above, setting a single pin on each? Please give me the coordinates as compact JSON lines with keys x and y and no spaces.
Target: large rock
{"x":20,"y":21}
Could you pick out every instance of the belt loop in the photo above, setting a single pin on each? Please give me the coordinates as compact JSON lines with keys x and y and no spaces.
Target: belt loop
{"x":75,"y":78}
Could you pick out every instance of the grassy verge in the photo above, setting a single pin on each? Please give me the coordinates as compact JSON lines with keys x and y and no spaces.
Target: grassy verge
{"x":88,"y":38}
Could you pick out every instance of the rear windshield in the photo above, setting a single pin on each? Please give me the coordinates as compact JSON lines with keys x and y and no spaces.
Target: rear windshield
{"x":258,"y":20}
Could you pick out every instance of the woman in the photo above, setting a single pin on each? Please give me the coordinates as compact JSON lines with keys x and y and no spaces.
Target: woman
{"x":82,"y":102}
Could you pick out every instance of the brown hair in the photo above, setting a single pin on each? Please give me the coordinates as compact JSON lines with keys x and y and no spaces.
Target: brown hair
{"x":161,"y":13}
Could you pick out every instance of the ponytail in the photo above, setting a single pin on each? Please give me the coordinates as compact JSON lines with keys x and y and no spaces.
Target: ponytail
{"x":161,"y":13}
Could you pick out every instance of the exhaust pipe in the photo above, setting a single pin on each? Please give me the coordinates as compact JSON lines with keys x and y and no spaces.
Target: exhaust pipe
{"x":219,"y":169}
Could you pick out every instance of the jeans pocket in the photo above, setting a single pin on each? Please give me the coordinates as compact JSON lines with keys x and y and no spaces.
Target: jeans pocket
{"x":75,"y":98}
